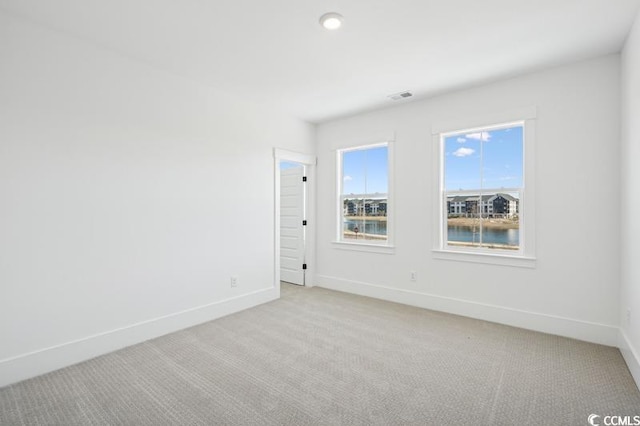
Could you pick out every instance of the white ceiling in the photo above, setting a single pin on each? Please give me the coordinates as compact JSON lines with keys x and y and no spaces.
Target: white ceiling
{"x":276,"y":51}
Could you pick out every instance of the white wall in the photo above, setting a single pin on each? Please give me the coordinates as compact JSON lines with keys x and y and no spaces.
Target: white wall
{"x":574,"y":289}
{"x":129,"y":197}
{"x":630,"y":294}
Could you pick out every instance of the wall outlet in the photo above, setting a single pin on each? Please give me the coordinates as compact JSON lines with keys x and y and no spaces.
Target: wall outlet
{"x":413,"y":275}
{"x":628,"y":316}
{"x":234,"y":281}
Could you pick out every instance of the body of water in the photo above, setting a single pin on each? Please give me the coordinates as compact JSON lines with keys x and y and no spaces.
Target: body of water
{"x":465,"y":234}
{"x":376,"y":227}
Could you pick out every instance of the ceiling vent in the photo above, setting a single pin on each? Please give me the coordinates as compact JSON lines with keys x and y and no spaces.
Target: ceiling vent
{"x":401,"y":95}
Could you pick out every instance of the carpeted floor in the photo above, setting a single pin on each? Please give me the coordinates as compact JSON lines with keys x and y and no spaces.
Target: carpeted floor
{"x":319,"y":357}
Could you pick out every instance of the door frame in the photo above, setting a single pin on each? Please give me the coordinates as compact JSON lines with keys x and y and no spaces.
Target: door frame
{"x":309,"y":161}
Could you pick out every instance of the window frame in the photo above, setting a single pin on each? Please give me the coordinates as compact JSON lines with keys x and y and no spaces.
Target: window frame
{"x":383,"y":246}
{"x":525,"y":255}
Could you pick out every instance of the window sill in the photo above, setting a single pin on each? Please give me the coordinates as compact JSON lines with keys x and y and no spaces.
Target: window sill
{"x":486,"y":258}
{"x":369,"y":248}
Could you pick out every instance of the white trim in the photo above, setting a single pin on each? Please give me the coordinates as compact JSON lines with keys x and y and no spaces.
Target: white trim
{"x":365,"y":146}
{"x":486,"y":128}
{"x":498,"y":258}
{"x":366,"y":247}
{"x":45,"y":360}
{"x":310,"y":162}
{"x":576,"y":329}
{"x":485,"y":120}
{"x":631,"y":356}
{"x":286,"y":155}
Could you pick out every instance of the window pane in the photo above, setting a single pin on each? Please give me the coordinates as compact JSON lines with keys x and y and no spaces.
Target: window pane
{"x":502,"y":158}
{"x":490,"y":221}
{"x":461,"y":162}
{"x":353,"y":189}
{"x":377,"y":173}
{"x":501,"y":226}
{"x":353,"y":173}
{"x":463,"y":226}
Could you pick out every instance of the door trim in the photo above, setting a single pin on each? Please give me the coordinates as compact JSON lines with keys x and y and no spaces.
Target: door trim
{"x":280,"y":155}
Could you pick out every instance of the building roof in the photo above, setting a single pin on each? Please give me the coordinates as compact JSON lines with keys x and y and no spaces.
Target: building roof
{"x":485,"y":198}
{"x":375,"y":196}
{"x":507,"y":197}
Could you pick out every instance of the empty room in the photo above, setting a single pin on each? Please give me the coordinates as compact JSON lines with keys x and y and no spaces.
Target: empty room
{"x":319,"y":213}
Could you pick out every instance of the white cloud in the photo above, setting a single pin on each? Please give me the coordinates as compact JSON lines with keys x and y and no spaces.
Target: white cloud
{"x":463,"y":152}
{"x":480,"y":136}
{"x":347,"y":178}
{"x":462,"y":140}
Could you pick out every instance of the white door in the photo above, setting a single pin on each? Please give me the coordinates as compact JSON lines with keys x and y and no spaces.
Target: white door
{"x":292,"y":197}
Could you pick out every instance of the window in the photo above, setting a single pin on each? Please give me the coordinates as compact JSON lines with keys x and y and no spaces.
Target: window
{"x":363,"y":187}
{"x":485,"y":197}
{"x":483,"y":181}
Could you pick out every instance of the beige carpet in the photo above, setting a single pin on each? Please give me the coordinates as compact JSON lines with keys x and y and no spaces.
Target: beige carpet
{"x":322,"y":357}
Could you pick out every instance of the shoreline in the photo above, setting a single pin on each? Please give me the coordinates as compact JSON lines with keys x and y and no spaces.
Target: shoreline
{"x":350,"y":235}
{"x":484,"y":245}
{"x":486,"y":223}
{"x":368,"y":218}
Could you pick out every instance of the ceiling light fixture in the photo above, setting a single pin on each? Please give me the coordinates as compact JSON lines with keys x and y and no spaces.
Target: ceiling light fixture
{"x":331,"y":20}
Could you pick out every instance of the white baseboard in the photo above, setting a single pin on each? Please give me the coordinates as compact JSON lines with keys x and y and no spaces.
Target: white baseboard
{"x":45,"y":360}
{"x":631,"y":356}
{"x":567,"y":327}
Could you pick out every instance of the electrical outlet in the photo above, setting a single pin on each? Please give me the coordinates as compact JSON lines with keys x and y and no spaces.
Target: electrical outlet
{"x":413,"y":275}
{"x":628,"y":316}
{"x":234,"y":281}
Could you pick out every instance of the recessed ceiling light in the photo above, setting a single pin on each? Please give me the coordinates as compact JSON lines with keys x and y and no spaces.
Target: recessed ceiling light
{"x":331,"y":20}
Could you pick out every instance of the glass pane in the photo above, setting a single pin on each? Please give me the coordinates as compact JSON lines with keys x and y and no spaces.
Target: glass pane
{"x":353,"y":174}
{"x":377,"y":171}
{"x":285,"y":165}
{"x":502,"y":158}
{"x":462,"y":162}
{"x":374,"y":224}
{"x":490,"y":221}
{"x":463,"y":221}
{"x":351,"y":227}
{"x":353,"y":189}
{"x":501,"y":225}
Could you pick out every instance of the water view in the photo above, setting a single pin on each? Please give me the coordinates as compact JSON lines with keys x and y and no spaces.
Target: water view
{"x":368,"y":226}
{"x":455,"y":233}
{"x":469,"y":234}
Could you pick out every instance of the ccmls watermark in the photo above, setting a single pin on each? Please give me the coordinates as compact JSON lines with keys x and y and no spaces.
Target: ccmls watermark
{"x":597,"y":420}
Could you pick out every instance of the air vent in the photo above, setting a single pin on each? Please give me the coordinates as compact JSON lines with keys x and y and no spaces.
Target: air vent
{"x":401,"y":95}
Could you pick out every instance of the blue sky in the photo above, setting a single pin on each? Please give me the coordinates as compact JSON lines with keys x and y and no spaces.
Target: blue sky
{"x":501,"y":161}
{"x":365,"y":171}
{"x":284,"y":165}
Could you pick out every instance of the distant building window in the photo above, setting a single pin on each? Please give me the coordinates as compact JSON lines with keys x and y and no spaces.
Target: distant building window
{"x":482,"y":188}
{"x":363,"y":205}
